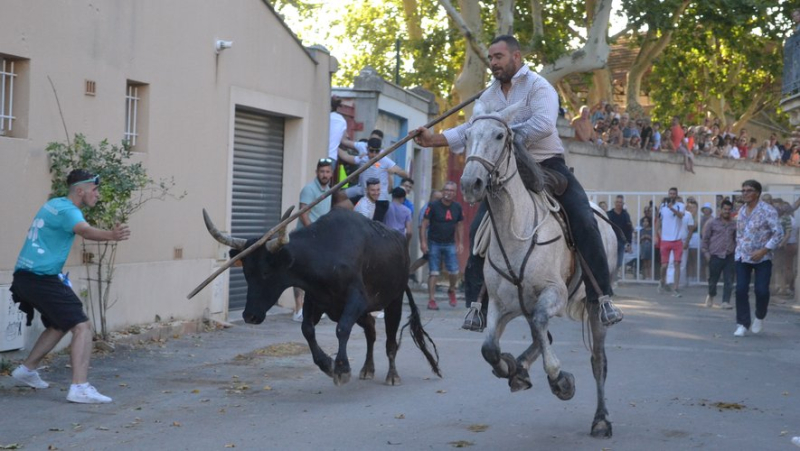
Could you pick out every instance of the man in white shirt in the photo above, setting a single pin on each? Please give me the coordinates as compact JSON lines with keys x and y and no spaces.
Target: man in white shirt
{"x":536,"y":134}
{"x":380,"y":170}
{"x":366,"y":206}
{"x":669,"y":222}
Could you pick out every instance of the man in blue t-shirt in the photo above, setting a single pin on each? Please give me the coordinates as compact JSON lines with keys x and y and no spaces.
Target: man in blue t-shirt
{"x":38,"y":284}
{"x":441,"y":234}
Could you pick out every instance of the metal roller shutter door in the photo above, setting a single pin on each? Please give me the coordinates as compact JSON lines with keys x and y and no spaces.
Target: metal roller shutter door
{"x":257,"y":185}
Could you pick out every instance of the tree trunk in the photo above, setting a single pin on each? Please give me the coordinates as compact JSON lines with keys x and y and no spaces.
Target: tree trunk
{"x":593,"y":55}
{"x":504,"y":16}
{"x":473,"y":74}
{"x":601,"y":87}
{"x":413,"y":22}
{"x":652,"y":46}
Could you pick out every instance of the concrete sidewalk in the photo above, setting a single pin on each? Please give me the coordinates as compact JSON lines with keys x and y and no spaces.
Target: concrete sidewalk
{"x":677,"y":379}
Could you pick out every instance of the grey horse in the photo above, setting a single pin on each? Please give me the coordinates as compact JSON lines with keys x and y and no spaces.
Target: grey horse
{"x":528,"y":262}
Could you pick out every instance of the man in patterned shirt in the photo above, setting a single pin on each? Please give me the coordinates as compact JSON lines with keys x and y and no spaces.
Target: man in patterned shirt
{"x":758,"y":233}
{"x":535,"y":131}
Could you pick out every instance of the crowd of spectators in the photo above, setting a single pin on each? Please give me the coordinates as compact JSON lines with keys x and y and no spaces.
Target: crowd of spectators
{"x":604,"y":125}
{"x":784,"y":263}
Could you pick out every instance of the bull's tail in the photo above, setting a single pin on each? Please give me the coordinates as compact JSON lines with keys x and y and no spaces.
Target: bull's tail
{"x":419,"y":335}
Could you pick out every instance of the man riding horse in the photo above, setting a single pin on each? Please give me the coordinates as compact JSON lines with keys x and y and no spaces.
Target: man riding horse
{"x":535,"y":131}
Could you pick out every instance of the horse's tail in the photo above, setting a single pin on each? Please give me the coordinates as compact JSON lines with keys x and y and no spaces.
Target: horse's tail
{"x":419,"y":335}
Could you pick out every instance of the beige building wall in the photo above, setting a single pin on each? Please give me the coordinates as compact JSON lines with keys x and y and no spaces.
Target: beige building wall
{"x":190,"y":95}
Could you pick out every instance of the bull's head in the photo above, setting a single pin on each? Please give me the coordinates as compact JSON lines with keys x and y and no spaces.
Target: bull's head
{"x":265,"y":269}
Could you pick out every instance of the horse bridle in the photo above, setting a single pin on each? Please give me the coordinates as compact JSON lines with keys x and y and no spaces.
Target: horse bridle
{"x":496,"y":180}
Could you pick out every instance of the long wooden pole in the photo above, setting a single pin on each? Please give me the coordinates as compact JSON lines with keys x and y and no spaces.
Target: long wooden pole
{"x":333,"y":189}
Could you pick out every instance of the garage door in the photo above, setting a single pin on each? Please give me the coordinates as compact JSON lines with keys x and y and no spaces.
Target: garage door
{"x":257,"y":184}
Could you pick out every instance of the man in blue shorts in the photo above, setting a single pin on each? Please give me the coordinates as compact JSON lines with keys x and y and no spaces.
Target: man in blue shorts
{"x":38,"y":284}
{"x":440,"y":235}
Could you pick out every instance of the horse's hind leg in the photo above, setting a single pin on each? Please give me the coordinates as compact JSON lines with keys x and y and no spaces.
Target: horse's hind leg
{"x":601,"y":426}
{"x":521,"y":379}
{"x":562,"y":383}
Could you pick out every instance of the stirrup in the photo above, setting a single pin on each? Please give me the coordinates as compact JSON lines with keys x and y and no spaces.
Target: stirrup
{"x":610,"y":314}
{"x":474,"y":320}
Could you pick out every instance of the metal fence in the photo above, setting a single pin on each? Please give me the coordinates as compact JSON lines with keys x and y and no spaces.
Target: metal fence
{"x":635,"y":268}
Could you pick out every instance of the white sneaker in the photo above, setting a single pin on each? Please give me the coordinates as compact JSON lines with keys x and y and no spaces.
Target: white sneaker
{"x":86,"y":395}
{"x":740,"y":331}
{"x":796,"y":441}
{"x":381,"y":315}
{"x":758,"y":326}
{"x":298,"y":317}
{"x":28,"y":377}
{"x":709,"y":301}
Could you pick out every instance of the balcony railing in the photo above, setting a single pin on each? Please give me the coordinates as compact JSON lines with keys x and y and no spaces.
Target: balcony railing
{"x":791,"y":66}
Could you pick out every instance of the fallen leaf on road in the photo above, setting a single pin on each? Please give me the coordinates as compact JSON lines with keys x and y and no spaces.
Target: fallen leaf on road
{"x":176,"y":424}
{"x":230,"y":445}
{"x":51,"y":447}
{"x":55,"y":430}
{"x":400,"y":416}
{"x":267,"y":387}
{"x":478,"y":427}
{"x":783,"y":433}
{"x":11,"y":446}
{"x":461,"y":444}
{"x":441,"y":391}
{"x":786,"y":393}
{"x":195,"y":391}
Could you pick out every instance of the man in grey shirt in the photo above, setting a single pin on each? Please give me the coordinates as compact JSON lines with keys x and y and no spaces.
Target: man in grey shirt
{"x":718,"y":248}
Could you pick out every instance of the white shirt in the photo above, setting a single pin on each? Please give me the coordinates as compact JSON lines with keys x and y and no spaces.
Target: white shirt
{"x":734,"y":153}
{"x":365,"y":207}
{"x":535,"y":123}
{"x":773,"y":154}
{"x":338,"y":126}
{"x":671,"y":224}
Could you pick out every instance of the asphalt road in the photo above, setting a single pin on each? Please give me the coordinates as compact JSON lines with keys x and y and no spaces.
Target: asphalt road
{"x":678,"y":379}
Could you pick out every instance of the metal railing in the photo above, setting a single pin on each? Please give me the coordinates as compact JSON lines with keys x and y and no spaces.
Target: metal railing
{"x":7,"y":76}
{"x":693,"y":268}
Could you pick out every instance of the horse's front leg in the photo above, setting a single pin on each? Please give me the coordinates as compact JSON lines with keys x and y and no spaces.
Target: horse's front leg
{"x":503,"y":364}
{"x":601,"y":426}
{"x":562,"y":383}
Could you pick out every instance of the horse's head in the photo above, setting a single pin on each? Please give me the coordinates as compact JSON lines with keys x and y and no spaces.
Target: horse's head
{"x":490,"y":160}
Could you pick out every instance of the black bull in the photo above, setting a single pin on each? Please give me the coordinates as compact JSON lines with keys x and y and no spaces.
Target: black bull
{"x":348,"y":266}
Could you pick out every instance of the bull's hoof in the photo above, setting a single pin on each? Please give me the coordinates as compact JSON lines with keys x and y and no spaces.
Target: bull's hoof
{"x":392,"y":378}
{"x":510,"y":366}
{"x":341,"y":378}
{"x":521,"y":380}
{"x":601,"y":428}
{"x":367,"y":372}
{"x":564,"y":386}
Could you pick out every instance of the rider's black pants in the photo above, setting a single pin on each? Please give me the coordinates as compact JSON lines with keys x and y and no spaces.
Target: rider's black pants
{"x":473,"y":273}
{"x":584,"y":229}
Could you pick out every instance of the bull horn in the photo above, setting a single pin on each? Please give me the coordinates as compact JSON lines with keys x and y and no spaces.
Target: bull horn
{"x":235,"y":243}
{"x":275,"y":244}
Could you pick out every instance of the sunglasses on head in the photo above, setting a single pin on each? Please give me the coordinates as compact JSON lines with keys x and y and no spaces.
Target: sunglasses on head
{"x":95,"y":180}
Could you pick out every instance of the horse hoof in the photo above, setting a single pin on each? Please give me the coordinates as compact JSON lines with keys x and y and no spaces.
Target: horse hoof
{"x":520,"y":381}
{"x":601,"y":429}
{"x":511,"y":366}
{"x":564,"y":386}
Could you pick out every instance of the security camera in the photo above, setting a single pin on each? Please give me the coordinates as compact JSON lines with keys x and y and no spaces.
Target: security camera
{"x":222,"y":45}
